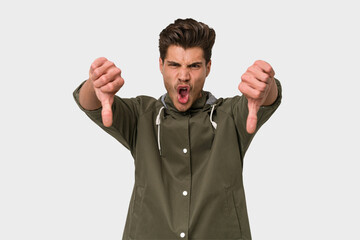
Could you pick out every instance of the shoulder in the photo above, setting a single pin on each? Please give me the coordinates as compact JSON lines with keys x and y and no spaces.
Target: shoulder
{"x":146,"y":103}
{"x":227,"y":104}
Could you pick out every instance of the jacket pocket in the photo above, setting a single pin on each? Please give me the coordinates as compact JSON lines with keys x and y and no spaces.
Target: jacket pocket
{"x":137,"y":200}
{"x":238,"y":197}
{"x":232,"y":211}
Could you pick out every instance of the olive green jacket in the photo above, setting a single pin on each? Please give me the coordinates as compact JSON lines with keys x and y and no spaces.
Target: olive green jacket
{"x":188,"y":166}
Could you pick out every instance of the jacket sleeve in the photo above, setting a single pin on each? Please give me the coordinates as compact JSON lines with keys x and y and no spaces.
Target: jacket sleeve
{"x":240,"y":113}
{"x":125,"y":115}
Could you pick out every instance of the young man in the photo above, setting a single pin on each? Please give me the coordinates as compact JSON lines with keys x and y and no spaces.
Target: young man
{"x":188,"y":146}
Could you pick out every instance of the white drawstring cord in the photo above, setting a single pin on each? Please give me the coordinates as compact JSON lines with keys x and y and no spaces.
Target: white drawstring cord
{"x":158,"y":126}
{"x":211,"y":115}
{"x":158,"y":121}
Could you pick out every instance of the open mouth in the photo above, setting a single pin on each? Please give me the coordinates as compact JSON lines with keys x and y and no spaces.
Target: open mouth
{"x":183,"y":93}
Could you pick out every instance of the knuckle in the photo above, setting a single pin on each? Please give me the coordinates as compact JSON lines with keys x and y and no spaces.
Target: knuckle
{"x":103,"y":79}
{"x":101,"y":59}
{"x":258,"y":62}
{"x":254,"y":69}
{"x":111,"y":64}
{"x":243,"y":88}
{"x":96,"y":73}
{"x":121,"y":82}
{"x":262,"y":87}
{"x":245,"y":77}
{"x":93,"y":66}
{"x":267,"y":68}
{"x":106,"y":88}
{"x":117,"y":71}
{"x":110,"y":87}
{"x":242,"y":77}
{"x":257,"y":94}
{"x":264,"y":78}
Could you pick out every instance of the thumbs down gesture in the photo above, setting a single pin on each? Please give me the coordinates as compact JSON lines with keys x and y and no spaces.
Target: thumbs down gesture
{"x":259,"y":87}
{"x":106,"y":80}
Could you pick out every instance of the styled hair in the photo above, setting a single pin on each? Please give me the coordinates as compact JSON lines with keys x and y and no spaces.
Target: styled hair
{"x":187,"y":33}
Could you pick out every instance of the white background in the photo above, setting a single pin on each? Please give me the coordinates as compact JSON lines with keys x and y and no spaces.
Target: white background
{"x":62,"y":177}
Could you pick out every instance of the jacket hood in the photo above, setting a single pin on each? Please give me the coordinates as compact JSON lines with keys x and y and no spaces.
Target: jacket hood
{"x":204,"y":102}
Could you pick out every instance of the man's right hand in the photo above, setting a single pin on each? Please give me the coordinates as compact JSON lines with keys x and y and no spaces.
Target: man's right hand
{"x":106,"y":80}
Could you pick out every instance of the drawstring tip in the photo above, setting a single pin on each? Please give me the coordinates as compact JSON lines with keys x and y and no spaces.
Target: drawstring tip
{"x":158,"y":126}
{"x":211,"y":116}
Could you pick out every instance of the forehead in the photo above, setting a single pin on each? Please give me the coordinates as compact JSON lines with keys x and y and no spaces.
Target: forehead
{"x":186,"y":56}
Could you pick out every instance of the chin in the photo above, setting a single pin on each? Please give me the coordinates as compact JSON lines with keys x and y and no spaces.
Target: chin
{"x":183,"y":108}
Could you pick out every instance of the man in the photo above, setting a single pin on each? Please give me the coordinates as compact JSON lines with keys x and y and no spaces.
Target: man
{"x":188,"y":146}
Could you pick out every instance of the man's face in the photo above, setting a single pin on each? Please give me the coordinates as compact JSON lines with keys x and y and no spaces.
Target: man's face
{"x":184,"y":72}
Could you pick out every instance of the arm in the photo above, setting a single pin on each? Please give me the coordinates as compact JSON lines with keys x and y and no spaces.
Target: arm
{"x":259,"y":87}
{"x":99,"y":90}
{"x":96,"y":95}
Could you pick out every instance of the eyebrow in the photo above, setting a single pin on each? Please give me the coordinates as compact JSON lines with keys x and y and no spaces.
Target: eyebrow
{"x":173,"y":63}
{"x":178,"y":64}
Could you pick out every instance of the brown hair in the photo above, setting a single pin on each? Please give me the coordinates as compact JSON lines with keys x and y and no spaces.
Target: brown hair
{"x":187,"y":33}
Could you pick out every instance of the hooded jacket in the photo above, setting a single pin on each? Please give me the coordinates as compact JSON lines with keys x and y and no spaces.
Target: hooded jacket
{"x":188,"y":165}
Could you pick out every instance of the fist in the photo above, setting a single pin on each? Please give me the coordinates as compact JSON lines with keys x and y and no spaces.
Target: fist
{"x":255,"y":85}
{"x":106,"y":79}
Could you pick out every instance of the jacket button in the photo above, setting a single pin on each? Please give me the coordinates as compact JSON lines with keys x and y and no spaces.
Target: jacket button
{"x":184,"y":150}
{"x":182,"y":235}
{"x":185,"y":193}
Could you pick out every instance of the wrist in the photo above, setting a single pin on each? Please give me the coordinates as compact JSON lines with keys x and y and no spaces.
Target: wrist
{"x":87,"y":96}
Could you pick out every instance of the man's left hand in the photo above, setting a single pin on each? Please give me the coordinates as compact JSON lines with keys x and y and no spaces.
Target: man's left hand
{"x":258,"y":86}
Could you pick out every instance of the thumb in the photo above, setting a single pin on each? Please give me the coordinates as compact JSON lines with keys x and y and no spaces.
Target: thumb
{"x":252,"y":117}
{"x":106,"y":112}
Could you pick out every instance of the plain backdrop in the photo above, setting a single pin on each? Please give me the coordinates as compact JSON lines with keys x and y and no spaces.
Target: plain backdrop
{"x":62,"y":177}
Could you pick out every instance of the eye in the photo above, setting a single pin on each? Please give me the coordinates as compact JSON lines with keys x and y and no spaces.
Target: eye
{"x":173,"y":64}
{"x":195,"y":66}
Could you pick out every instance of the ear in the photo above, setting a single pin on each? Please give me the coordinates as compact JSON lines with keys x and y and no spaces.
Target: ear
{"x":161,"y":65}
{"x":208,"y":67}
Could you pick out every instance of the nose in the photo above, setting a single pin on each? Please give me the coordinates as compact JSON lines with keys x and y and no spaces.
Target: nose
{"x":184,"y":75}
